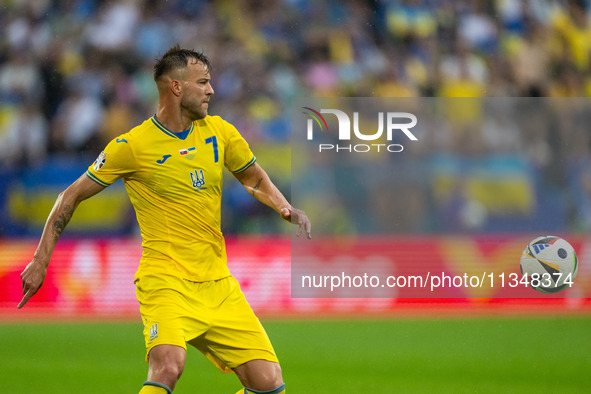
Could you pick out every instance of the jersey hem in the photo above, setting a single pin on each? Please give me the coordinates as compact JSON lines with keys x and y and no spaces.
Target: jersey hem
{"x":139,"y":274}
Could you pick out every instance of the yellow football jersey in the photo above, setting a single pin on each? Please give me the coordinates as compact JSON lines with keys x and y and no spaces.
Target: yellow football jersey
{"x":174,"y":182}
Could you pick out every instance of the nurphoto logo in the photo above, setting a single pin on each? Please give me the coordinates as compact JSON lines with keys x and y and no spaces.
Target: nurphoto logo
{"x":395,"y":122}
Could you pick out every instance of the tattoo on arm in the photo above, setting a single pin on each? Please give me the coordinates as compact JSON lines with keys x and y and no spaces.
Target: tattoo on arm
{"x":257,"y":186}
{"x":62,"y":221}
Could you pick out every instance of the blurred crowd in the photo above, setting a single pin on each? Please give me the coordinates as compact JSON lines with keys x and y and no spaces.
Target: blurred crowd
{"x":479,"y":165}
{"x":74,"y":74}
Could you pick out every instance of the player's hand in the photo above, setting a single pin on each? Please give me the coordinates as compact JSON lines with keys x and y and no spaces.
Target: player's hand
{"x":32,"y":279}
{"x":299,"y":217}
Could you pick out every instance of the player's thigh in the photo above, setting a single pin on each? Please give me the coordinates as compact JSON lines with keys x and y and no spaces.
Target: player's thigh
{"x":169,"y":319}
{"x":235,"y":336}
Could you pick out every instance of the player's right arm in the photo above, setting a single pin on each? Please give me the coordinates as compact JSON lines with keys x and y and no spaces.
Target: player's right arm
{"x":116,"y":161}
{"x":63,"y":209}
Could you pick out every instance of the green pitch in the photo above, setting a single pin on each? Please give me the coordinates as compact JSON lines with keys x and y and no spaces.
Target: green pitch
{"x":483,"y":355}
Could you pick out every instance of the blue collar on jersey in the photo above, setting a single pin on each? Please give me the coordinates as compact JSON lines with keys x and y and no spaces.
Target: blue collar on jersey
{"x":180,"y":135}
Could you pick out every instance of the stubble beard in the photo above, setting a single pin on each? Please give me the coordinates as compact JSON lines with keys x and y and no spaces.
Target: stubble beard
{"x":195,"y":112}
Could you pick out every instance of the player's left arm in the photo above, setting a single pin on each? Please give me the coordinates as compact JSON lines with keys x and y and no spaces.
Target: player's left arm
{"x":256,"y":181}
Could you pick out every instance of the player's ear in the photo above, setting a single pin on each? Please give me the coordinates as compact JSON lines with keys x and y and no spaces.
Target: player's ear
{"x":175,"y":87}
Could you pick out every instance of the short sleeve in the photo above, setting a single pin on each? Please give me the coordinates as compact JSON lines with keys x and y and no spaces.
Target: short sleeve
{"x":116,"y":161}
{"x":238,"y":154}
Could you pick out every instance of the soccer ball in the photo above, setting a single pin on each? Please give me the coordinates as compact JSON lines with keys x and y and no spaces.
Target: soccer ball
{"x":549,"y":263}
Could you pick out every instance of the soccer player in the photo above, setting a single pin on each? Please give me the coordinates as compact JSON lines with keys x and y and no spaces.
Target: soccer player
{"x":172,"y":166}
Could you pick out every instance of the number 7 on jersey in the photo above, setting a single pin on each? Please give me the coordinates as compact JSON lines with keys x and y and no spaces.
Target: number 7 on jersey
{"x":214,"y":141}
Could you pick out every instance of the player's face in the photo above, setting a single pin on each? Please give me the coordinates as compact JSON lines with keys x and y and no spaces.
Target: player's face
{"x":196,"y":91}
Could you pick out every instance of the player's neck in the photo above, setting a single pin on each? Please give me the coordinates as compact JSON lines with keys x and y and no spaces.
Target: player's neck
{"x":172,"y":120}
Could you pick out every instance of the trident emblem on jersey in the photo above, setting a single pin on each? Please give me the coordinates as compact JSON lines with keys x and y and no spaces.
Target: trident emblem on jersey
{"x":198,"y":180}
